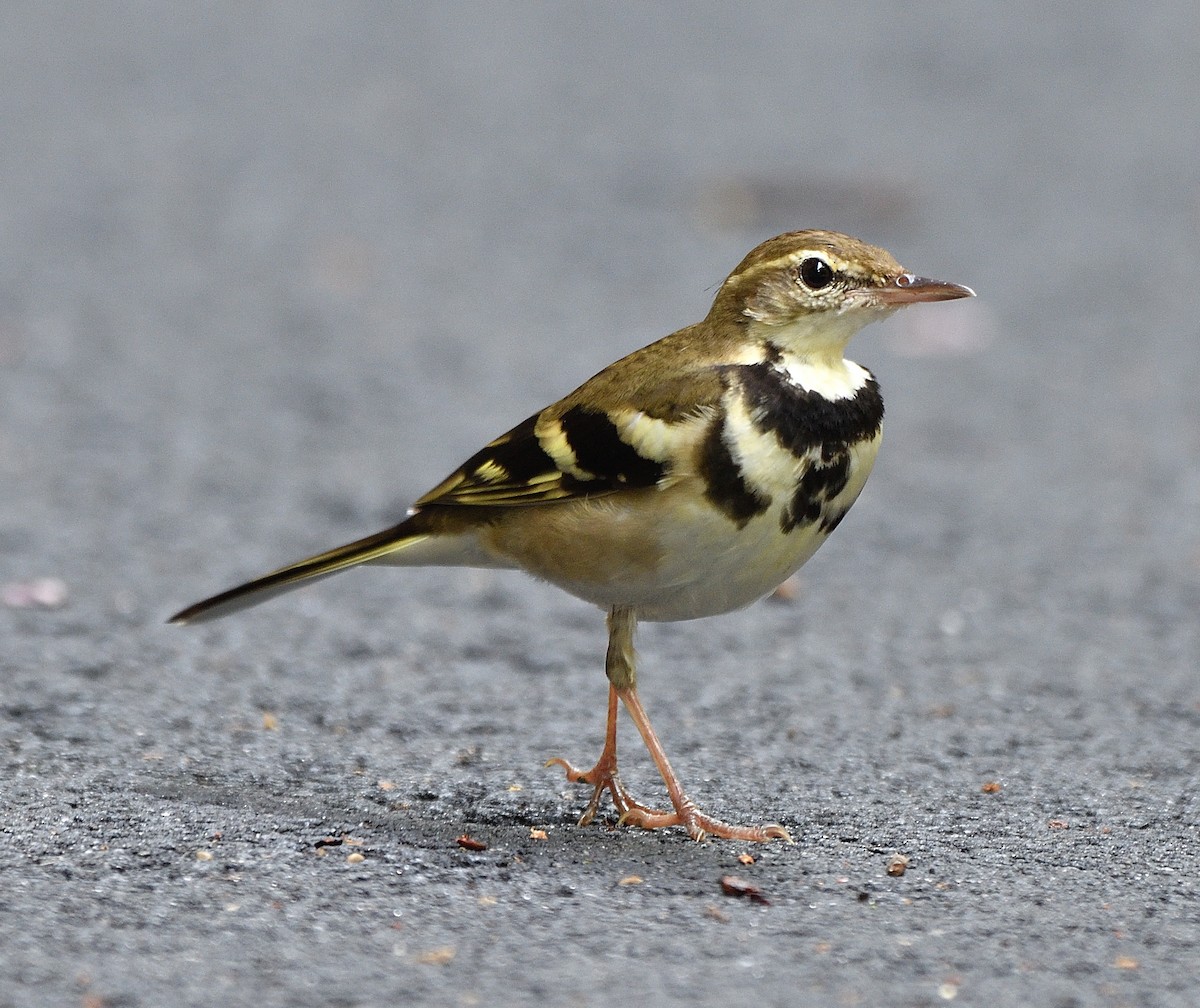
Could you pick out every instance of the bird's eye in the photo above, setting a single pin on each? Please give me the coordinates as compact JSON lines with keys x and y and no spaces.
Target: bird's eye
{"x":815,"y":273}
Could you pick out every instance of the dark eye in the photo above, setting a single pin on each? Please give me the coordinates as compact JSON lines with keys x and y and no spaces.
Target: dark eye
{"x":815,"y":273}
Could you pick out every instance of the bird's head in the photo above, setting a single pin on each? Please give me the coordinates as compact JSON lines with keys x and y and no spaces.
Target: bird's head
{"x":814,"y":289}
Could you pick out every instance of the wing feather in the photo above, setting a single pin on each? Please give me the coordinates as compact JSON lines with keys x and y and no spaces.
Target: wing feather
{"x":549,"y":457}
{"x":596,"y":441}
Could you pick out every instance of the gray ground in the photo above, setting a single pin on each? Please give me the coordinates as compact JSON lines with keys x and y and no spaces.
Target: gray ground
{"x":269,"y":271}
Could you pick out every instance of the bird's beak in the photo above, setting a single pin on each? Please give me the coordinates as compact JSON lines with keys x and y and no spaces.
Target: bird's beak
{"x":909,"y":289}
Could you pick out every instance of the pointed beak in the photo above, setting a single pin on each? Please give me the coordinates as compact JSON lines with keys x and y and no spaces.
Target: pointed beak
{"x":909,"y":289}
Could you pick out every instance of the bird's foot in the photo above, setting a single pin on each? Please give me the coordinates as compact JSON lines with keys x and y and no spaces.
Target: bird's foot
{"x":699,"y":825}
{"x":603,"y":777}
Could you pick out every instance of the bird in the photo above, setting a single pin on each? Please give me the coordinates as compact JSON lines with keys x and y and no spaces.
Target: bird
{"x":687,"y":479}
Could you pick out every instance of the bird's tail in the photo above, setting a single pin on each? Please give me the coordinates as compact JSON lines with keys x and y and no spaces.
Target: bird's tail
{"x":407,"y":534}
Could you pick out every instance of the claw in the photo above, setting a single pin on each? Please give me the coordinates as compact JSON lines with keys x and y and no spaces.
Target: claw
{"x":603,"y":777}
{"x":631,"y":812}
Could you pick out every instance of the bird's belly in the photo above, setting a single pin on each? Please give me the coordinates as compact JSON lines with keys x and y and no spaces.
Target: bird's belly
{"x":710,"y":568}
{"x":667,"y":553}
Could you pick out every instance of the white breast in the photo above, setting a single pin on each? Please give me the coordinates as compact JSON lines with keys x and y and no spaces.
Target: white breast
{"x":709,"y":567}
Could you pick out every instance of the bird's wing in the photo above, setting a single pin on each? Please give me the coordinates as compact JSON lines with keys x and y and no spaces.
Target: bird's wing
{"x":554,"y":455}
{"x":623,"y":429}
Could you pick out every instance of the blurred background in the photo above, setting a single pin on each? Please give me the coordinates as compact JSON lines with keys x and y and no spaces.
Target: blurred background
{"x":268,"y":271}
{"x":268,"y":249}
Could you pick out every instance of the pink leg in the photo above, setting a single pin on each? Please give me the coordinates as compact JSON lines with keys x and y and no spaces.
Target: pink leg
{"x":603,"y":776}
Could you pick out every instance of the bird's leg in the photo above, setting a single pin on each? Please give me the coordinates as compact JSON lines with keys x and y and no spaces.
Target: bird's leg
{"x":686,"y":814}
{"x":619,"y":666}
{"x":603,"y":776}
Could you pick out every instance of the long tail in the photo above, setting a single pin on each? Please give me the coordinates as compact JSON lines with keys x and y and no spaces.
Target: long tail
{"x":374,"y":547}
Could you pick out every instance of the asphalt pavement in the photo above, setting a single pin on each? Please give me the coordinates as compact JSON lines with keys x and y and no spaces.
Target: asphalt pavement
{"x":268,"y":272}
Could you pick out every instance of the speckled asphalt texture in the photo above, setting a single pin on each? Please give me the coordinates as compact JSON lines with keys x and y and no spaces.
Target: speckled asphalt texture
{"x":268,"y":272}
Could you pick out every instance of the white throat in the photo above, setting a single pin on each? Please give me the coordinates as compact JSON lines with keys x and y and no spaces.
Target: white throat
{"x":830,"y":376}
